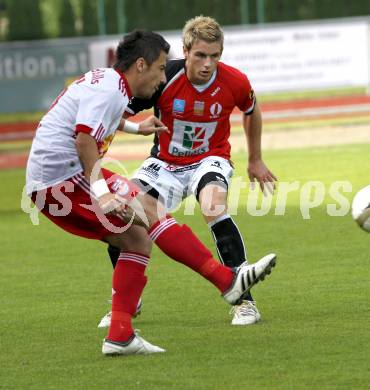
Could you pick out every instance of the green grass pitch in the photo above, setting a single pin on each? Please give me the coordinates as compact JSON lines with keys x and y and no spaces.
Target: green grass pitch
{"x":314,"y":332}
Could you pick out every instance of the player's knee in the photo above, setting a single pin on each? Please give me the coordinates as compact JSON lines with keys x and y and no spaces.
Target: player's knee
{"x":135,"y":239}
{"x":213,"y":201}
{"x":150,"y":210}
{"x":145,"y":243}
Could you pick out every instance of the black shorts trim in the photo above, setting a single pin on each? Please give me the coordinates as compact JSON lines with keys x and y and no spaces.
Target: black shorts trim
{"x":147,"y":188}
{"x":211,"y":177}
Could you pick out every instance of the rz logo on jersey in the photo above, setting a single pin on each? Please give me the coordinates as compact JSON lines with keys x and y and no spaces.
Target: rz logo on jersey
{"x":191,"y":138}
{"x":215,"y":110}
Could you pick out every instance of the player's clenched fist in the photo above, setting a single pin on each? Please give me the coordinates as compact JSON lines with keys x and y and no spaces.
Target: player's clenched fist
{"x":114,"y":205}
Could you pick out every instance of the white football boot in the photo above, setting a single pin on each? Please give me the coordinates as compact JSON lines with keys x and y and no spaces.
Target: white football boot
{"x":245,"y":314}
{"x":105,"y":321}
{"x":136,"y":346}
{"x":248,"y":275}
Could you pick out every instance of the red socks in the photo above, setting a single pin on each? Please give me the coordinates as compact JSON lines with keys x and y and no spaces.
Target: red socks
{"x":180,"y":243}
{"x":177,"y":242}
{"x":128,"y":284}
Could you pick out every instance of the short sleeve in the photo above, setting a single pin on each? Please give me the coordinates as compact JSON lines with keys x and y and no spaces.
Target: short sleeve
{"x":97,"y":111}
{"x":244,"y":95}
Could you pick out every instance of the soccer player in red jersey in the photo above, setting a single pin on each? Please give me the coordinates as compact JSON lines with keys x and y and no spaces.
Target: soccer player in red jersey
{"x":67,"y":183}
{"x":194,"y":157}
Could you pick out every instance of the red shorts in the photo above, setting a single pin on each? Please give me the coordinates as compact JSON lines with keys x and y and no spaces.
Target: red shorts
{"x":70,"y":206}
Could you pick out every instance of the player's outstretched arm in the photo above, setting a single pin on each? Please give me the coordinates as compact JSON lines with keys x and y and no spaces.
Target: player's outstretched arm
{"x":89,"y":156}
{"x":257,"y":170}
{"x":146,"y":127}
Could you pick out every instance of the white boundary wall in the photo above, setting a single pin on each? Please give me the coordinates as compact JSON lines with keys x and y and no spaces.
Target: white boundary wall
{"x":302,"y":57}
{"x":288,"y":57}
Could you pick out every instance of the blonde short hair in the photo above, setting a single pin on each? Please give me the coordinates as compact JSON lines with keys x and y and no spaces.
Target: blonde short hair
{"x":202,"y":28}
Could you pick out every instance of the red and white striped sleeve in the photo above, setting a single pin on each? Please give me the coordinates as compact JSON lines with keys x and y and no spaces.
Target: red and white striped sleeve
{"x":96,"y":113}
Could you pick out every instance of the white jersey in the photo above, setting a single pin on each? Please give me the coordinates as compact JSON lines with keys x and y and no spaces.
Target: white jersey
{"x":93,"y":104}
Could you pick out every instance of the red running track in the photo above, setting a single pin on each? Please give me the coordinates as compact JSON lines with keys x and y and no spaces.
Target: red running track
{"x":26,"y":130}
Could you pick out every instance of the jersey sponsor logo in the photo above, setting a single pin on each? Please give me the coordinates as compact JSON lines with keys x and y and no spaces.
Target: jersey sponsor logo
{"x":198,"y":108}
{"x":154,"y":166}
{"x":103,"y":145}
{"x":181,"y":153}
{"x":151,"y":170}
{"x":170,"y":167}
{"x":177,"y":169}
{"x":215,"y":110}
{"x":178,"y":106}
{"x":214,"y":93}
{"x":191,"y":138}
{"x":216,"y":164}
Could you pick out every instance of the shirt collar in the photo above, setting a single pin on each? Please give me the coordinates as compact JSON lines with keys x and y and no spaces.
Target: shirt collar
{"x":127,"y":86}
{"x":203,"y":87}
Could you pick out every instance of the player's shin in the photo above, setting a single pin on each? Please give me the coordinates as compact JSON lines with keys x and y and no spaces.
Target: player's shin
{"x":179,"y":243}
{"x":128,"y":283}
{"x":230,"y":244}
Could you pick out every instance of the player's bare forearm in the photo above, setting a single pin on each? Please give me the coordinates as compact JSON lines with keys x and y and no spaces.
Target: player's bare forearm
{"x":88,"y":153}
{"x":257,"y":170}
{"x":148,"y":126}
{"x":89,"y":156}
{"x":252,"y":125}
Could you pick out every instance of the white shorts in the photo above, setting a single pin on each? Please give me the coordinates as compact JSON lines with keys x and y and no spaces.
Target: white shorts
{"x":175,"y":182}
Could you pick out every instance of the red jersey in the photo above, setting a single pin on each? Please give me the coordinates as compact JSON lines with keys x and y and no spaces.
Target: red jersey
{"x":199,"y":122}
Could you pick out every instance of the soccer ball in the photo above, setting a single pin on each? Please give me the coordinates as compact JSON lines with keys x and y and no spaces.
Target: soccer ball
{"x":361,"y":208}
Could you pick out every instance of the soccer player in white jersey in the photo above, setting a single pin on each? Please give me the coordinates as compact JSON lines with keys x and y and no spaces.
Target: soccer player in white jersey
{"x":67,"y":184}
{"x":194,"y":157}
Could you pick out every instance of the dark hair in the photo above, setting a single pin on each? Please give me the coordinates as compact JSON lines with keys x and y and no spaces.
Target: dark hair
{"x":140,"y":43}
